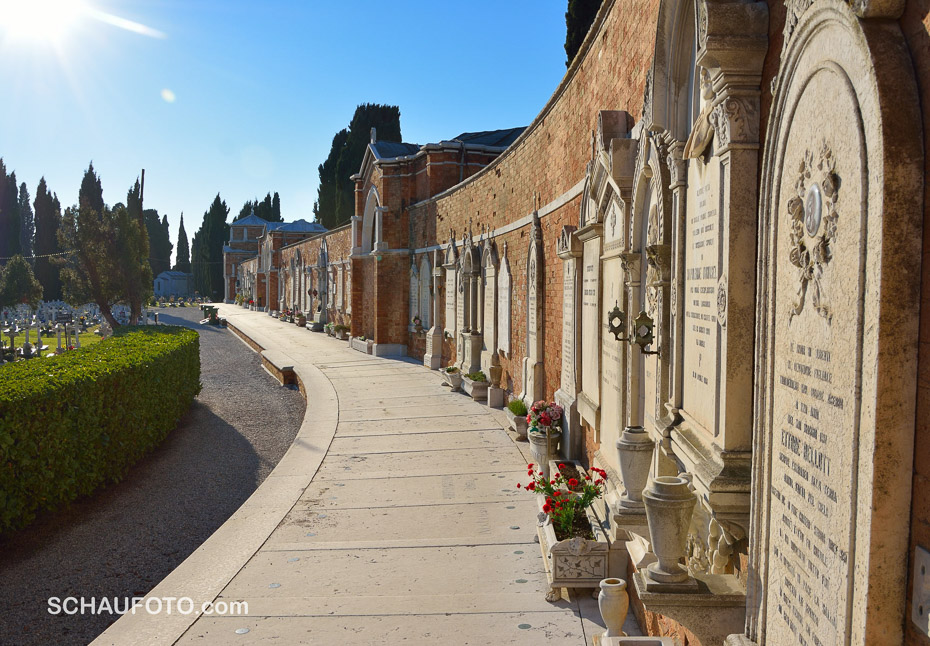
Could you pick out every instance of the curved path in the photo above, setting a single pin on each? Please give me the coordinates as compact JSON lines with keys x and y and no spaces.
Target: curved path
{"x":394,"y":518}
{"x":125,"y":538}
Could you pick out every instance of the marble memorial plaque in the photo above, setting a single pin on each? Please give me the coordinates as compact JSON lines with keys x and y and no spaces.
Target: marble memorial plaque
{"x":816,"y":369}
{"x":703,"y":269}
{"x":567,"y":381}
{"x":451,"y":293}
{"x":612,"y":374}
{"x":590,"y":320}
{"x":503,"y":305}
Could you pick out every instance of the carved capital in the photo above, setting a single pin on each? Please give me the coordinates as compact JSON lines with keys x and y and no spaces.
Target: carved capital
{"x":677,"y":166}
{"x":736,"y":121}
{"x":630,"y":261}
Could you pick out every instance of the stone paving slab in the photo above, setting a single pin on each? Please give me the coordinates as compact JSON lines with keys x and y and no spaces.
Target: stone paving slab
{"x":401,"y":443}
{"x":438,"y":423}
{"x":468,"y":522}
{"x":419,"y":463}
{"x":373,"y":493}
{"x":411,"y":531}
{"x":514,"y":629}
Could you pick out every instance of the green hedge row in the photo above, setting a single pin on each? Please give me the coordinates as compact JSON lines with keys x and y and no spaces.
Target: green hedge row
{"x":72,"y":423}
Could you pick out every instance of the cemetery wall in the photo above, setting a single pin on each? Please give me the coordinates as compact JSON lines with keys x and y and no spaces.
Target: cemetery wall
{"x":545,"y":165}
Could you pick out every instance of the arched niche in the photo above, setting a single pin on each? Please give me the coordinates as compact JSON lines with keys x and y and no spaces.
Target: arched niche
{"x":424,"y":288}
{"x":372,"y":204}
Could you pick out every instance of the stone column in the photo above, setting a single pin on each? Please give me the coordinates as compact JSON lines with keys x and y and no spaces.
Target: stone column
{"x":678,"y":171}
{"x":356,"y":226}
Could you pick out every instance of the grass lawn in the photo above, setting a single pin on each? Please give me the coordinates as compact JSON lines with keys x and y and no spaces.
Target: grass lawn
{"x":87,"y":338}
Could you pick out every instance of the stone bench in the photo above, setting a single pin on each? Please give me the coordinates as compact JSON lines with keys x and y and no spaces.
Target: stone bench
{"x":280,"y":366}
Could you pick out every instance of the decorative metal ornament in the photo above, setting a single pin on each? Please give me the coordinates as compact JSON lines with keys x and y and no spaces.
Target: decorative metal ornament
{"x":616,"y":321}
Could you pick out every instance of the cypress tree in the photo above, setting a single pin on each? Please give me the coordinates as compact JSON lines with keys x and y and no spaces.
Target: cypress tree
{"x":578,"y":20}
{"x":10,"y":222}
{"x":183,"y":259}
{"x":47,"y":222}
{"x":27,"y":227}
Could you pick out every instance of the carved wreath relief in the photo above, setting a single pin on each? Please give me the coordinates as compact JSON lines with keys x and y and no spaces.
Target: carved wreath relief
{"x":813,"y":228}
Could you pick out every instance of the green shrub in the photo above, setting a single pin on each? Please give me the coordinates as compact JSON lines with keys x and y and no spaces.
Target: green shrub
{"x":477,"y":376}
{"x":517,"y":407}
{"x":75,"y":422}
{"x":452,"y":369}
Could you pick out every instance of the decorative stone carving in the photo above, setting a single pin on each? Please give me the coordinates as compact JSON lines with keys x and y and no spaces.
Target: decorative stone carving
{"x":703,"y":129}
{"x":736,"y":121}
{"x":722,"y":301}
{"x":813,"y":229}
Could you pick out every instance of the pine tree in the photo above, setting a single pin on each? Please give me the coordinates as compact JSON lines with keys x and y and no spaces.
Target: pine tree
{"x":107,"y":252}
{"x":47,"y":222}
{"x":27,"y":228}
{"x":183,"y":258}
{"x":578,"y":20}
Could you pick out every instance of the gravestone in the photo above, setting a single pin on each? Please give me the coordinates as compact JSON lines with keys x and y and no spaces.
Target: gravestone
{"x":533,"y":372}
{"x":590,"y":397}
{"x":703,"y":271}
{"x":451,"y":291}
{"x":839,"y":292}
{"x":504,"y":282}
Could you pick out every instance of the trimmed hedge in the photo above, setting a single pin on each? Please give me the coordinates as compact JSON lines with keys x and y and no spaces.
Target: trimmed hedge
{"x":75,"y":422}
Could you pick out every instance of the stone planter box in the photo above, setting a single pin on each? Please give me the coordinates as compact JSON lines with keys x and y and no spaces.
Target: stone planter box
{"x":358,"y":344}
{"x":453,"y":379}
{"x":575,"y":562}
{"x":517,"y":423}
{"x":477,"y":390}
{"x":342,"y":335}
{"x":301,"y":321}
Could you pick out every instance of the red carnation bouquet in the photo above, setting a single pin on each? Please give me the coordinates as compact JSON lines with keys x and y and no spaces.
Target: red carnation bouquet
{"x":566,"y":497}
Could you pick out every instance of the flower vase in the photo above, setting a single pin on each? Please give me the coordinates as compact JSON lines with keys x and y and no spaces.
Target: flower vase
{"x":634,"y":451}
{"x":544,"y":444}
{"x":613,"y":602}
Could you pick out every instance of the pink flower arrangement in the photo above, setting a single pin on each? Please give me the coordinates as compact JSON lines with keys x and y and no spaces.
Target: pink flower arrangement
{"x":544,"y":414}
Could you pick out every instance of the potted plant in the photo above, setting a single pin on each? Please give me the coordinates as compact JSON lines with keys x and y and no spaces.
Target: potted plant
{"x":475,"y":384}
{"x":453,"y":377}
{"x":341,"y":331}
{"x":417,"y":324}
{"x":545,"y":432}
{"x":301,"y":320}
{"x":516,"y":412}
{"x":570,"y":533}
{"x":329,"y":329}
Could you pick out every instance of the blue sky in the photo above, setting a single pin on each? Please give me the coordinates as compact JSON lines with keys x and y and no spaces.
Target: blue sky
{"x":258,"y":88}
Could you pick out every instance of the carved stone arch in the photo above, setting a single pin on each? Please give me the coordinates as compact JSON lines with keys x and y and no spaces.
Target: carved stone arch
{"x":839,"y":216}
{"x":372,"y":204}
{"x":671,"y":105}
{"x":425,"y":289}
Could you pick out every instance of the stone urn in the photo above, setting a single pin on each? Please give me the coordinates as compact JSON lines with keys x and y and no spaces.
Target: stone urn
{"x":613,"y":602}
{"x":669,"y":504}
{"x":544,"y":444}
{"x":634,"y":453}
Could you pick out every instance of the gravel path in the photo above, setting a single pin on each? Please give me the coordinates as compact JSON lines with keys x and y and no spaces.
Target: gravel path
{"x":123,"y":540}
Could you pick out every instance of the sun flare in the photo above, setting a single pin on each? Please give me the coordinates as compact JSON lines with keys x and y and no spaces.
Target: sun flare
{"x":40,"y":20}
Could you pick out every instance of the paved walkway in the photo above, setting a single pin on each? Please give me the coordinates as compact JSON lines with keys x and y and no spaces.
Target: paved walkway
{"x":394,"y":518}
